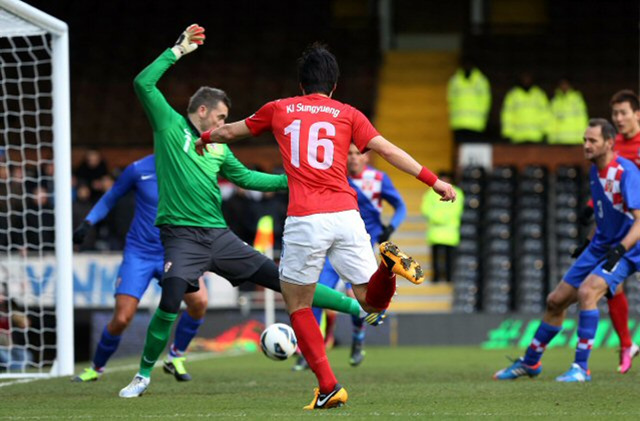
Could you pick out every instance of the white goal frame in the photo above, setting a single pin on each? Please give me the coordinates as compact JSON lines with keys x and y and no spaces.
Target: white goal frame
{"x":58,"y":30}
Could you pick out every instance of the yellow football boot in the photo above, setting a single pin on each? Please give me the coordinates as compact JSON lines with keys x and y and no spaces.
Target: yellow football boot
{"x":400,"y":263}
{"x":337,"y":398}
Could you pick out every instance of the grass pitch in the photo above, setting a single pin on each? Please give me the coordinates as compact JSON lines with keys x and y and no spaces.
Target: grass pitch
{"x":392,"y":383}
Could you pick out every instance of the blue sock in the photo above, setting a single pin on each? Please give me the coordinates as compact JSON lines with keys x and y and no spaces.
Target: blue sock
{"x":543,"y":336}
{"x":317,"y":313}
{"x":105,"y":349}
{"x":358,"y":329}
{"x":185,"y":332}
{"x":587,"y":326}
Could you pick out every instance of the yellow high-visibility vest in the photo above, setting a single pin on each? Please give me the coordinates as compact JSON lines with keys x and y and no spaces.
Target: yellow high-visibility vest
{"x":469,"y":101}
{"x":443,"y":218}
{"x":525,"y":115}
{"x":569,"y":118}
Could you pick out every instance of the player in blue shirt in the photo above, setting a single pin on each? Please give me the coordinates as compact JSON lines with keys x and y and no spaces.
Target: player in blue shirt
{"x":612,"y":255}
{"x":372,"y":187}
{"x":143,"y":260}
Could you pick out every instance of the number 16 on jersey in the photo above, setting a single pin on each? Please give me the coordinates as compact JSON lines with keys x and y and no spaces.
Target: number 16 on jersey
{"x":314,"y":142}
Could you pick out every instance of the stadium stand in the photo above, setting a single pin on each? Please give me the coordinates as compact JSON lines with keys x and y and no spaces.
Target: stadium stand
{"x":467,"y":264}
{"x":530,"y":240}
{"x":498,"y":250}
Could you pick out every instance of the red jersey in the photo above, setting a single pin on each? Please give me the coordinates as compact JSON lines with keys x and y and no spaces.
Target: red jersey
{"x":628,"y":148}
{"x":314,"y":133}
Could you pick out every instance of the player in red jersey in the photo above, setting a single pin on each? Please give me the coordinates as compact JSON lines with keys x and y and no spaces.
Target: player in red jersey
{"x":625,"y":114}
{"x":314,"y":133}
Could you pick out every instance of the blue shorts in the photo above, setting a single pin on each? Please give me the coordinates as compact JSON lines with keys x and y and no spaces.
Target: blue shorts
{"x":136,"y":272}
{"x":591,"y":261}
{"x":329,"y":277}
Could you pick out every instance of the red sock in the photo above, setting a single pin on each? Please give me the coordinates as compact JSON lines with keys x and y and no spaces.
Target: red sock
{"x":381,"y":288}
{"x":619,"y":313}
{"x":311,"y":344}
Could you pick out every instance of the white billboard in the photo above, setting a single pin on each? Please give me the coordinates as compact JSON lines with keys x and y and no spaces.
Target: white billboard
{"x":31,"y":281}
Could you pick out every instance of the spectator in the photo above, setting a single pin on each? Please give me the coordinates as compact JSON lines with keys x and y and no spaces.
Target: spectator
{"x":525,"y":112}
{"x":46,"y":177}
{"x":469,"y":98}
{"x":17,"y":188}
{"x":443,"y":229}
{"x":41,"y":217}
{"x":4,"y":205}
{"x":90,"y":171}
{"x":569,"y":117}
{"x":34,"y":228}
{"x":12,"y":356}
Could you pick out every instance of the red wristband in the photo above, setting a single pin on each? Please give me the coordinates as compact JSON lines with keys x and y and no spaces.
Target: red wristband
{"x":427,"y":177}
{"x":206,"y":136}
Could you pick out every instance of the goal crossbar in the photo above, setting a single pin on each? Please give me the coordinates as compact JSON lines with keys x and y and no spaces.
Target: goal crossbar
{"x":36,"y":18}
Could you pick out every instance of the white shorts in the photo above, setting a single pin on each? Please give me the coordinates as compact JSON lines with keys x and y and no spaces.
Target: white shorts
{"x":308,"y":240}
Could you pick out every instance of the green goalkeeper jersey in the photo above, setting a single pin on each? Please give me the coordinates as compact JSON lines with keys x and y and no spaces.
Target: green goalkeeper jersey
{"x":187,"y":182}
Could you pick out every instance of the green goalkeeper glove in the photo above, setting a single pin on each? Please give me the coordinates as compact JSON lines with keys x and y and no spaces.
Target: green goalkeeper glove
{"x":189,"y":40}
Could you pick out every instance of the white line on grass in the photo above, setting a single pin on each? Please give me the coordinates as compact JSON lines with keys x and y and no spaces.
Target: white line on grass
{"x":192,"y":357}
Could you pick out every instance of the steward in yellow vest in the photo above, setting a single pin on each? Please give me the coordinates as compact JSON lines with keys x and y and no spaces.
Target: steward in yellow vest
{"x":569,"y":117}
{"x":443,"y":218}
{"x":443,"y":230}
{"x":469,"y":98}
{"x":525,"y":113}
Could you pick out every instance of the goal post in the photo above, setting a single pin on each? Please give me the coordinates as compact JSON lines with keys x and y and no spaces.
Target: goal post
{"x":35,"y":132}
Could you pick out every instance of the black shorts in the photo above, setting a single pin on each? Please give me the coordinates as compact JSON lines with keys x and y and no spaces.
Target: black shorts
{"x":191,"y":251}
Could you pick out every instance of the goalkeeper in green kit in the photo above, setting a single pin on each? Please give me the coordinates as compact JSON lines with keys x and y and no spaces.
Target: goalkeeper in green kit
{"x":193,"y":232}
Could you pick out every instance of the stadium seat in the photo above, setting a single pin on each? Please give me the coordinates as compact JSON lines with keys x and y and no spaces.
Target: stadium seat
{"x":468,"y":246}
{"x":499,"y":246}
{"x":531,"y":215}
{"x":500,"y":215}
{"x":530,"y":230}
{"x":566,"y":214}
{"x":567,"y":230}
{"x":470,"y":216}
{"x":469,"y":231}
{"x":471,"y":186}
{"x":500,"y":186}
{"x":567,"y":200}
{"x":531,"y":200}
{"x":472,"y":201}
{"x":498,"y":230}
{"x":472,"y":173}
{"x":499,"y":200}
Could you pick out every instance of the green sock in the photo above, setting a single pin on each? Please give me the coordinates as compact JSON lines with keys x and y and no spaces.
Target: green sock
{"x":157,"y":337}
{"x":331,"y":299}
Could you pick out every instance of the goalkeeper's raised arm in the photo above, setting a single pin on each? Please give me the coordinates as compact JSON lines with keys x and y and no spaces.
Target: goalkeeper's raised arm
{"x":158,"y":110}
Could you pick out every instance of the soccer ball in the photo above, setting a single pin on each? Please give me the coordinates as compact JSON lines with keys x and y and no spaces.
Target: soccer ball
{"x":278,"y":342}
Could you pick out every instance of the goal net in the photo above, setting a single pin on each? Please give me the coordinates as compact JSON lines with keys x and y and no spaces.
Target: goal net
{"x":36,"y":306}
